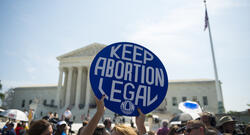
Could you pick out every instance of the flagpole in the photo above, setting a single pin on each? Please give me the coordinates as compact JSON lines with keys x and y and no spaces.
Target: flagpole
{"x":217,"y":83}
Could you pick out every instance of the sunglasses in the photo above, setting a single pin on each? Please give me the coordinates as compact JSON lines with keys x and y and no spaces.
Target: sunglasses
{"x":188,"y":130}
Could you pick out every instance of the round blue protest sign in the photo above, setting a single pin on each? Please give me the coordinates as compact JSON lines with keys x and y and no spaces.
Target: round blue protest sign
{"x":130,"y":76}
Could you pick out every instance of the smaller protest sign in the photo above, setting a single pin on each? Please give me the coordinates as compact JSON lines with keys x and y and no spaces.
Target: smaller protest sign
{"x":130,"y":76}
{"x":191,"y":108}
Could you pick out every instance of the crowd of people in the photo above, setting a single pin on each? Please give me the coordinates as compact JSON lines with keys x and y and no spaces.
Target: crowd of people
{"x":205,"y":125}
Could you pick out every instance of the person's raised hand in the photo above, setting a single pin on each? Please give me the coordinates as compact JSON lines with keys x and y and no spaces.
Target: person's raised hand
{"x":140,"y":122}
{"x":100,"y":105}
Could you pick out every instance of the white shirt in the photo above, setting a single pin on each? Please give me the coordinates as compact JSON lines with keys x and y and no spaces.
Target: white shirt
{"x":67,"y":114}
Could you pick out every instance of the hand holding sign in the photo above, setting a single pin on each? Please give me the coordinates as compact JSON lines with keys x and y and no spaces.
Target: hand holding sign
{"x":140,"y":122}
{"x":130,"y":76}
{"x":100,"y":105}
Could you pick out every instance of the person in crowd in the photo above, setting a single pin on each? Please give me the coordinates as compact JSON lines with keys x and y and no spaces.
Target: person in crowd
{"x":50,"y":115}
{"x":55,"y":115}
{"x":84,"y":124}
{"x":247,"y":129}
{"x":45,"y":118}
{"x":18,"y":128}
{"x":107,"y":123}
{"x":151,"y":133}
{"x":132,"y":123}
{"x":5,"y":127}
{"x":61,"y":128}
{"x":67,"y":115}
{"x":164,"y":130}
{"x":26,"y":112}
{"x":210,"y":121}
{"x":118,"y":129}
{"x":9,"y":130}
{"x":195,"y":127}
{"x":100,"y":130}
{"x":24,"y":128}
{"x":173,"y":130}
{"x":227,"y":125}
{"x":40,"y":127}
{"x":124,"y":130}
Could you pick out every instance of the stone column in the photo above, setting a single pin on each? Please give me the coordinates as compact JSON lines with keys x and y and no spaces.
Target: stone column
{"x":59,"y":88}
{"x":64,"y":88}
{"x":84,"y":85}
{"x":73,"y":87}
{"x":87,"y":96}
{"x":78,"y":87}
{"x":69,"y":82}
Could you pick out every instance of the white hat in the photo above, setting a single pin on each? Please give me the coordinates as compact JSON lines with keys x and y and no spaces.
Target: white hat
{"x":61,"y":123}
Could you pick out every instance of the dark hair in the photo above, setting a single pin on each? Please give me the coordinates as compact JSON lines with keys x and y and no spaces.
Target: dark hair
{"x":85,"y":123}
{"x":211,"y":118}
{"x":11,"y":124}
{"x":106,"y":121}
{"x":38,"y":127}
{"x":212,"y":121}
{"x":173,"y":129}
{"x":60,"y":129}
{"x":18,"y":125}
{"x":99,"y":130}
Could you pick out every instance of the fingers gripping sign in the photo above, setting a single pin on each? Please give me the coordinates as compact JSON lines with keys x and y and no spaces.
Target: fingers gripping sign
{"x":130,"y":76}
{"x":100,"y":104}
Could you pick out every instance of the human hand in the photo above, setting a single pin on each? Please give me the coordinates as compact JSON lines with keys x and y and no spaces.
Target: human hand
{"x":100,"y":105}
{"x":140,"y":122}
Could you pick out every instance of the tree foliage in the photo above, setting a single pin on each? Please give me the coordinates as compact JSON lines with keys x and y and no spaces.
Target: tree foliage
{"x":233,"y":113}
{"x":0,"y":85}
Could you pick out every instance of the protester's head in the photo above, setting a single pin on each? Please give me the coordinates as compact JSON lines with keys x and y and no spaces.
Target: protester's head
{"x":85,"y":123}
{"x":50,"y":114}
{"x":55,"y":115}
{"x":205,"y":118}
{"x":61,"y":127}
{"x":165,"y":123}
{"x":7,"y":123}
{"x":23,"y":123}
{"x":208,"y":119}
{"x":151,"y":133}
{"x":19,"y":125}
{"x":123,"y":130}
{"x":195,"y":127}
{"x":45,"y":118}
{"x":100,"y":130}
{"x":10,"y":125}
{"x":40,"y":127}
{"x":107,"y":123}
{"x":173,"y":130}
{"x":227,"y":124}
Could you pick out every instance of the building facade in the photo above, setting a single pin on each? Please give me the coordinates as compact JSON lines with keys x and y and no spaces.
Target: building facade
{"x":74,"y":90}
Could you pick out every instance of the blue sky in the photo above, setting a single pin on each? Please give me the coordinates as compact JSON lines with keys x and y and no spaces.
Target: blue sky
{"x":34,"y":32}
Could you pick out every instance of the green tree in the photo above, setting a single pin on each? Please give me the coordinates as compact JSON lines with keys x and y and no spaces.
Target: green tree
{"x":233,"y":113}
{"x":0,"y":85}
{"x":2,"y":96}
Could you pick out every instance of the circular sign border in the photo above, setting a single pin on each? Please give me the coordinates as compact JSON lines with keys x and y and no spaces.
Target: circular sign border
{"x":99,"y":95}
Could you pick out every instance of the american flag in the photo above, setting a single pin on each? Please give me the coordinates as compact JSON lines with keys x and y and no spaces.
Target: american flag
{"x":206,"y":20}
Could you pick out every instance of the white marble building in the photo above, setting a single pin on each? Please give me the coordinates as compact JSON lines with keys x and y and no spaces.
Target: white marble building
{"x":74,"y":89}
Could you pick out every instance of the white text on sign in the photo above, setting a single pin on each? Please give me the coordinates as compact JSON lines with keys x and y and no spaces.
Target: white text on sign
{"x":130,"y":66}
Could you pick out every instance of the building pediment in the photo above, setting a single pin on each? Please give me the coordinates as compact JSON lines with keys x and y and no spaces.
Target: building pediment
{"x":89,"y":50}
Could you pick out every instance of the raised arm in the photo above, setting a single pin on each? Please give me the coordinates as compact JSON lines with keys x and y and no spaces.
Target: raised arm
{"x":140,"y":123}
{"x":90,"y":128}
